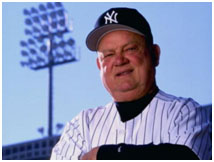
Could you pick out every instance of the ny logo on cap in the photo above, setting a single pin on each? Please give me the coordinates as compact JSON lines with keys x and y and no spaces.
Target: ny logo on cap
{"x":111,"y":18}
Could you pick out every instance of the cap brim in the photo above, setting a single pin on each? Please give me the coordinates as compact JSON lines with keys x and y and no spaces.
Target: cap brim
{"x":96,"y":35}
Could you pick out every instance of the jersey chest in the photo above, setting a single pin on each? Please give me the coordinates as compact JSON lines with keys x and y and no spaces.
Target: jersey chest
{"x":148,"y":127}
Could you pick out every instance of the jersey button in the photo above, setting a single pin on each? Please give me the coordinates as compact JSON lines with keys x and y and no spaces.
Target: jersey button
{"x":121,"y":131}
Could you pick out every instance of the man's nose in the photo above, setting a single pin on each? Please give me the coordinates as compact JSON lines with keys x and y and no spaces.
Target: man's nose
{"x":121,"y":60}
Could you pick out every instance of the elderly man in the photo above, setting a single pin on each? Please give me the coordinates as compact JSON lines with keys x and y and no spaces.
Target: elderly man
{"x":141,"y":120}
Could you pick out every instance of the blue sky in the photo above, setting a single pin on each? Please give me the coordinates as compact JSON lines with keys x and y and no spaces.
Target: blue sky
{"x":182,"y":30}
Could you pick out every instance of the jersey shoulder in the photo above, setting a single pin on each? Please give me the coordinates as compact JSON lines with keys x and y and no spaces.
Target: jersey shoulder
{"x":92,"y":113}
{"x":168,"y":98}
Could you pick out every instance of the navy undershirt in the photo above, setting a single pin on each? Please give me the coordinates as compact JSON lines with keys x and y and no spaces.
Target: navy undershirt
{"x":129,"y":110}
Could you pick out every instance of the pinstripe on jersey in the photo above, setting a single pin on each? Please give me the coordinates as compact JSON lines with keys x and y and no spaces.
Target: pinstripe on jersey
{"x":167,"y":119}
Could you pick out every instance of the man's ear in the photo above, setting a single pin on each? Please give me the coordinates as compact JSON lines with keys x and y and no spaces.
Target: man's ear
{"x":156,"y":52}
{"x":98,"y":63}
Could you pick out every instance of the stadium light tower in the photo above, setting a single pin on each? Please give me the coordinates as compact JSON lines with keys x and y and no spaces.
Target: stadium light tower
{"x":46,"y":45}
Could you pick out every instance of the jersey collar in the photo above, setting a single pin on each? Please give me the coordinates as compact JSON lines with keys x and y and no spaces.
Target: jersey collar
{"x":129,"y":110}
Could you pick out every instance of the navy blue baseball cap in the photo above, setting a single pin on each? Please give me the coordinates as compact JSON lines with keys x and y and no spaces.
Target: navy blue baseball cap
{"x":119,"y":19}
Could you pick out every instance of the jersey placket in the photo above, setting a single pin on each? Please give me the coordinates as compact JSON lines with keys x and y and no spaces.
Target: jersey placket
{"x":121,"y":132}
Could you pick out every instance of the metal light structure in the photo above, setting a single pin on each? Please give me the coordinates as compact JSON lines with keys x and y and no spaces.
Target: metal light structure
{"x":46,"y":45}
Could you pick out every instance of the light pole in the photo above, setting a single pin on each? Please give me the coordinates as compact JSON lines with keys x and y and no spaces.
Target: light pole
{"x":46,"y":45}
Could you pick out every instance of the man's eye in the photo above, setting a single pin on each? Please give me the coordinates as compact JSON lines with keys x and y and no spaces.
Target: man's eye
{"x":132,"y":49}
{"x":108,"y":55}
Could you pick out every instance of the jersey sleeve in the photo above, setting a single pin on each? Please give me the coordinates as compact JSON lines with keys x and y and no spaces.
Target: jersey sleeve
{"x":72,"y":144}
{"x":145,"y":152}
{"x":190,"y":126}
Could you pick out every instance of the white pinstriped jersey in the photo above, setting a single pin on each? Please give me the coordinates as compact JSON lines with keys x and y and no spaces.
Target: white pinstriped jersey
{"x":167,"y":119}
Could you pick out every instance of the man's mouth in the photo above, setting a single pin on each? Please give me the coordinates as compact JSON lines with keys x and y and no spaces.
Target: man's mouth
{"x":124,"y":73}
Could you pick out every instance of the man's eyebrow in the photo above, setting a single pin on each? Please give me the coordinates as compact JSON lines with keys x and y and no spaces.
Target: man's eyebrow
{"x":105,"y":50}
{"x":131,"y":43}
{"x":125,"y":45}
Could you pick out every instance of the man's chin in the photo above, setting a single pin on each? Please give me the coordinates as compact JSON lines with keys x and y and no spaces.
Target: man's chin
{"x":126,"y":87}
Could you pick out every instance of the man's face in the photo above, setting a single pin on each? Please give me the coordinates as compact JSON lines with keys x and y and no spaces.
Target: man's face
{"x":125,"y":65}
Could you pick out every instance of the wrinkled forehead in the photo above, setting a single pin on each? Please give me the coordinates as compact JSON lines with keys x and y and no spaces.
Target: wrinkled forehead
{"x":120,"y":38}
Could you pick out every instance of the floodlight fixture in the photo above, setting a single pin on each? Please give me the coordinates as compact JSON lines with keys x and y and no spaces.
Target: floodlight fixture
{"x":45,"y":46}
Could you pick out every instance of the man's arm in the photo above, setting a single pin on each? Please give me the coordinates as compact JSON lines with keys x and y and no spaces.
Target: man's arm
{"x":72,"y":143}
{"x":141,"y":152}
{"x":146,"y":152}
